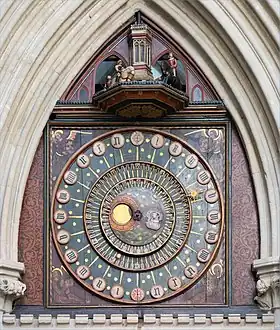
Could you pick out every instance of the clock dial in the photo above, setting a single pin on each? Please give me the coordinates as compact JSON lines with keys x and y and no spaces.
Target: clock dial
{"x":137,"y":215}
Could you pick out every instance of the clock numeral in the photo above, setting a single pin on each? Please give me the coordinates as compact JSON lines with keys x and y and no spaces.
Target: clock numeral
{"x":214,"y":217}
{"x":211,"y":237}
{"x":175,"y":149}
{"x":63,"y":196}
{"x":117,"y":140}
{"x":117,"y":291}
{"x":191,"y":271}
{"x":63,"y":237}
{"x":137,"y":294}
{"x":211,"y":196}
{"x":83,"y":272}
{"x":71,"y":256}
{"x":83,"y":161}
{"x":70,"y":177}
{"x":60,"y":217}
{"x":89,"y":216}
{"x":157,"y":141}
{"x":99,"y":284}
{"x":157,"y":291}
{"x":203,"y":177}
{"x":174,"y":283}
{"x":99,"y":148}
{"x":137,"y":138}
{"x":191,"y":161}
{"x":203,"y":255}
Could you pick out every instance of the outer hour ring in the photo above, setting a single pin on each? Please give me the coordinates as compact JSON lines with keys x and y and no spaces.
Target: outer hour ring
{"x":190,"y":149}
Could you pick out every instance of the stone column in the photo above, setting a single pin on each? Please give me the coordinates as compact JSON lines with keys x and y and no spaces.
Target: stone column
{"x":268,"y":286}
{"x":11,"y":288}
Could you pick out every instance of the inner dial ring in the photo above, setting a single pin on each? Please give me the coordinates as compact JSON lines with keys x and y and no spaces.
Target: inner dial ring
{"x":134,"y":204}
{"x":137,"y":221}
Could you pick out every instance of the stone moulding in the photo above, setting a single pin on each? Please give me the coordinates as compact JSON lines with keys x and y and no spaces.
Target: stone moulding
{"x":132,"y":321}
{"x":239,"y":51}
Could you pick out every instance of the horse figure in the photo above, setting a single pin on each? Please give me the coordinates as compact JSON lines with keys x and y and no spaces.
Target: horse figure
{"x":127,"y":74}
{"x":122,"y":73}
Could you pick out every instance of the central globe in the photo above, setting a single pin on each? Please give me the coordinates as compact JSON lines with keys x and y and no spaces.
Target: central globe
{"x":144,"y":210}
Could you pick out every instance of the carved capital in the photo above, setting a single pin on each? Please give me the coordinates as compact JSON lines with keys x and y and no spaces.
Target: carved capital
{"x":268,"y":284}
{"x":263,"y":297}
{"x":11,"y":288}
{"x":275,"y":287}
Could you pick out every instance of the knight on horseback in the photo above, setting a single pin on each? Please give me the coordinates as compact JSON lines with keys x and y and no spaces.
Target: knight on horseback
{"x":122,"y":73}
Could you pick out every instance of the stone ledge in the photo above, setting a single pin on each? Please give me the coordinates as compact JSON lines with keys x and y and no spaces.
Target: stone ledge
{"x":130,"y":321}
{"x":63,"y":319}
{"x":45,"y":319}
{"x":234,"y":318}
{"x":183,"y":319}
{"x":82,"y":319}
{"x":199,"y":318}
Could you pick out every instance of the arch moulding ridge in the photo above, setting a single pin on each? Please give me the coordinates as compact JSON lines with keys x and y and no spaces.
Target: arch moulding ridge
{"x":40,"y":64}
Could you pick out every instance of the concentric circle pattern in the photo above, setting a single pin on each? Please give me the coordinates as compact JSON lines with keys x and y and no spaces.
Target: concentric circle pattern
{"x":137,"y":221}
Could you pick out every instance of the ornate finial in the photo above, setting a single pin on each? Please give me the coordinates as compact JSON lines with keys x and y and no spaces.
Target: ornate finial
{"x":138,"y":17}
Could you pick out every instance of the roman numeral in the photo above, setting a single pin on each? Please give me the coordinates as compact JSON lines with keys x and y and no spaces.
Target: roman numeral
{"x":203,"y":255}
{"x":190,"y":271}
{"x":71,"y":256}
{"x":70,"y":177}
{"x":203,"y":177}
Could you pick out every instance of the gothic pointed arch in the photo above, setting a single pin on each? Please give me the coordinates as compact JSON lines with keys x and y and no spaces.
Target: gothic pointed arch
{"x":41,"y":62}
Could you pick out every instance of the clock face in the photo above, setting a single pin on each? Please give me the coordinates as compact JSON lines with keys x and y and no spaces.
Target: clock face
{"x":137,"y":215}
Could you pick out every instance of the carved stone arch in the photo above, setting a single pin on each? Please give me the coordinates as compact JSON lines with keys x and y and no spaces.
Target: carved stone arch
{"x":36,"y":71}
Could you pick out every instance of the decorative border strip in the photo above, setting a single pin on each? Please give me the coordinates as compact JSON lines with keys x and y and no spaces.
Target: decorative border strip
{"x":185,"y":321}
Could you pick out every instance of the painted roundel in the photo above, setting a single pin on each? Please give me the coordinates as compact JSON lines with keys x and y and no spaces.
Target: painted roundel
{"x":137,"y":215}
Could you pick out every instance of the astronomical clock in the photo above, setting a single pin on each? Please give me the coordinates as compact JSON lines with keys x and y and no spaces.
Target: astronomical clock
{"x":140,"y":198}
{"x":137,"y":187}
{"x":137,"y":214}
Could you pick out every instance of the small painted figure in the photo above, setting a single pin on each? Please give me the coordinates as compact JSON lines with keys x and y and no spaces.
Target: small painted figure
{"x":168,"y":76}
{"x":108,"y":82}
{"x":172,"y":63}
{"x":122,"y":73}
{"x":119,"y":68}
